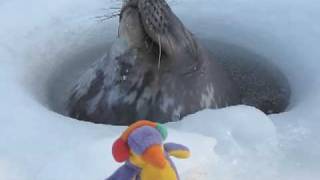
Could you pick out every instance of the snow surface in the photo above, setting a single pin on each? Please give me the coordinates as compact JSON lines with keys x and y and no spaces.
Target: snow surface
{"x":40,"y":40}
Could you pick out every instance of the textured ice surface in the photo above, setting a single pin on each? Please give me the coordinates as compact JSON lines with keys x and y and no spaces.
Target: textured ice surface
{"x":38,"y":39}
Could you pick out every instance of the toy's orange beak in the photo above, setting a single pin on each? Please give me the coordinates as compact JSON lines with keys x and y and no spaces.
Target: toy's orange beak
{"x":155,"y":156}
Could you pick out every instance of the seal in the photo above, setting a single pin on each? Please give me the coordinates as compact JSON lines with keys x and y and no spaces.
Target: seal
{"x":156,"y":69}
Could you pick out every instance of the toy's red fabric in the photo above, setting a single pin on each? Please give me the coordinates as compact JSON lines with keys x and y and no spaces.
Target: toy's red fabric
{"x":120,"y":150}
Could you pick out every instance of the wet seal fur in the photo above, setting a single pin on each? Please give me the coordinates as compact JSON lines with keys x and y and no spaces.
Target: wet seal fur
{"x":158,"y":70}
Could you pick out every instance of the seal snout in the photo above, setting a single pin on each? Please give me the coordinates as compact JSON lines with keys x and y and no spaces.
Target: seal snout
{"x":154,"y":14}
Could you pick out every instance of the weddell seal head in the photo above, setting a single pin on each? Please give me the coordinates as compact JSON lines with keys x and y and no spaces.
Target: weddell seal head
{"x":156,"y":69}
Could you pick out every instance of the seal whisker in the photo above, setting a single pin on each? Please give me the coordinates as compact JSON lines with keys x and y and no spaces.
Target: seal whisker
{"x":169,"y":43}
{"x":105,"y":17}
{"x":160,"y":52}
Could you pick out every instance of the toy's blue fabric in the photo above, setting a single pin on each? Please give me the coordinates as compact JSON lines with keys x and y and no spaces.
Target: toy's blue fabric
{"x":142,"y":138}
{"x":127,"y":171}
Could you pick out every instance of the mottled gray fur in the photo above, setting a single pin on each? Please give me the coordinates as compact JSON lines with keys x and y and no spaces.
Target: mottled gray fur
{"x":155,"y":70}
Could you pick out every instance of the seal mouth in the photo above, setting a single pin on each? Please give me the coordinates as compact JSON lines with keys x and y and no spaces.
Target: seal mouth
{"x":126,"y":6}
{"x":149,"y":22}
{"x":161,"y":25}
{"x":134,"y":4}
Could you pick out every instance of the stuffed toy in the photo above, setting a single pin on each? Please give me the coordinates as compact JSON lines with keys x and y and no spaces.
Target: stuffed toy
{"x":144,"y":155}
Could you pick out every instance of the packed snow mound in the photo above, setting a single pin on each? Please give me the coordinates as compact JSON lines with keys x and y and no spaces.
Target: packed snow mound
{"x":243,"y":134}
{"x":38,"y":38}
{"x":233,"y":127}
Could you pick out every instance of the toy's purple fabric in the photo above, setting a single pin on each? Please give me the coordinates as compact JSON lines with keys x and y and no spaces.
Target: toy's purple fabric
{"x":131,"y":172}
{"x":142,"y":138}
{"x":126,"y":172}
{"x":174,"y":147}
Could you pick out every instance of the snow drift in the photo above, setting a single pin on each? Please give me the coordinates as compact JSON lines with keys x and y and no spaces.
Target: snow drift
{"x":40,"y":40}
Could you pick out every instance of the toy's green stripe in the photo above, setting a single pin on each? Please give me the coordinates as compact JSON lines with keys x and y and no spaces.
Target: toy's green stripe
{"x":163,"y":131}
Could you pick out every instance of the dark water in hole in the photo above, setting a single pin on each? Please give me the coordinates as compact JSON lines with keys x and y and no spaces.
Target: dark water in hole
{"x":235,"y":59}
{"x":68,"y":73}
{"x":261,"y":83}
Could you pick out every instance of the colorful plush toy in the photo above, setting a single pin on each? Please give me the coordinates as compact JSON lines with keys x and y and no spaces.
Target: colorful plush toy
{"x":145,"y":156}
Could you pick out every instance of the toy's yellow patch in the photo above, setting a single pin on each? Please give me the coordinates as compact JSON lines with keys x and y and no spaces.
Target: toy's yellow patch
{"x":180,"y":154}
{"x":137,"y":160}
{"x":149,"y":172}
